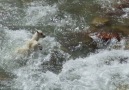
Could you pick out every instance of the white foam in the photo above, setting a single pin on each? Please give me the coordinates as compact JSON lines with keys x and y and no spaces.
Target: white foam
{"x":102,"y":71}
{"x":93,"y":73}
{"x":36,"y":14}
{"x":11,"y":40}
{"x":90,"y":73}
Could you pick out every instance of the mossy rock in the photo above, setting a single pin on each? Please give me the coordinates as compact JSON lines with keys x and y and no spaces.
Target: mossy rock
{"x":100,"y":21}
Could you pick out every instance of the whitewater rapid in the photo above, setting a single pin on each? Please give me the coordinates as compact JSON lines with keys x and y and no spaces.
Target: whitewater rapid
{"x":106,"y":69}
{"x":102,"y":71}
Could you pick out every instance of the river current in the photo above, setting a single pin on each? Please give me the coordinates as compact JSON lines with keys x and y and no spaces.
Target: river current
{"x":104,"y":69}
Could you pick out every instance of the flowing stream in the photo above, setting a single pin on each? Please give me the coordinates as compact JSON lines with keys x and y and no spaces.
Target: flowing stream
{"x":53,"y":68}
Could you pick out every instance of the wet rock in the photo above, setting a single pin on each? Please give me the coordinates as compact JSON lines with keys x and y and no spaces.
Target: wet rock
{"x":121,"y":6}
{"x":5,"y":79}
{"x":106,"y":36}
{"x":127,"y":1}
{"x":78,"y":7}
{"x":100,"y":21}
{"x":77,"y":44}
{"x":115,"y":13}
{"x":4,"y":75}
{"x":93,"y":29}
{"x":122,"y":60}
{"x":127,"y":43}
{"x":122,"y":87}
{"x":124,"y":22}
{"x":124,"y":30}
{"x":26,"y":1}
{"x":107,"y":39}
{"x":55,"y":63}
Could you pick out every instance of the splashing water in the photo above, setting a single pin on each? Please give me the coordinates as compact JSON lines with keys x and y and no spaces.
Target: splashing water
{"x":103,"y":70}
{"x":35,"y":15}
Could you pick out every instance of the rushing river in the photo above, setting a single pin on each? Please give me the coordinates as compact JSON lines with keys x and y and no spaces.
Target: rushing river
{"x":55,"y":68}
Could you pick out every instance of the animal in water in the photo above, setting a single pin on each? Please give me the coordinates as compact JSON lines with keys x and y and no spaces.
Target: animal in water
{"x":32,"y":44}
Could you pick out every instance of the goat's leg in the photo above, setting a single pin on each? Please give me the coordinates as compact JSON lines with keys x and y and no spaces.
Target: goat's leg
{"x":39,"y":46}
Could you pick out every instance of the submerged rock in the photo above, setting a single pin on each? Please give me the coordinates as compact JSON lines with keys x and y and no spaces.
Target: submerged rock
{"x":124,"y":30}
{"x":4,"y":75}
{"x":81,"y":8}
{"x":122,"y":87}
{"x":77,"y":44}
{"x":121,"y":6}
{"x":55,"y":63}
{"x":127,"y":43}
{"x":100,"y":21}
{"x":5,"y":79}
{"x":115,"y":13}
{"x":26,"y":1}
